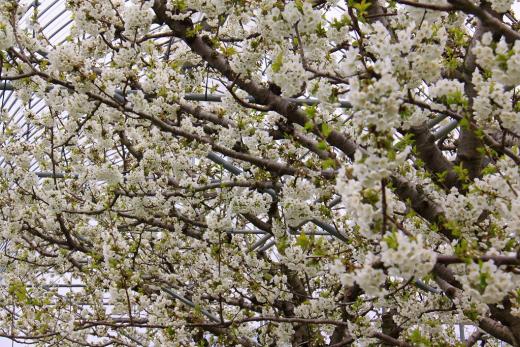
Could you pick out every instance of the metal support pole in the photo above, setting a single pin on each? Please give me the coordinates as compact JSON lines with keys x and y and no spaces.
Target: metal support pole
{"x":445,"y":130}
{"x":461,"y":332}
{"x":433,"y":122}
{"x":190,"y":304}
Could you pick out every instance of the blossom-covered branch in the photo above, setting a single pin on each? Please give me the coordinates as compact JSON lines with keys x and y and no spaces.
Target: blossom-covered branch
{"x":259,"y":173}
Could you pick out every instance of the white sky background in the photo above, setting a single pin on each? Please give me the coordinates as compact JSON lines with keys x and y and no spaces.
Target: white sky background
{"x":55,"y":11}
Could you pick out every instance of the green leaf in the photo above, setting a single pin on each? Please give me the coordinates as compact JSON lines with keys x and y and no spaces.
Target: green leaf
{"x":458,"y":36}
{"x":370,"y":196}
{"x":309,"y":125}
{"x":391,"y":154}
{"x":303,"y":241}
{"x":197,"y":28}
{"x":181,"y":5}
{"x":362,"y":6}
{"x":170,"y":331}
{"x":472,"y":314}
{"x":320,"y":31}
{"x":464,"y":123}
{"x":18,"y":289}
{"x":503,"y":59}
{"x":489,"y":170}
{"x":339,"y":24}
{"x":299,"y":5}
{"x":483,"y":278}
{"x":311,"y":111}
{"x":325,"y":129}
{"x":328,"y":163}
{"x":453,"y":227}
{"x":323,"y":145}
{"x":461,"y":172}
{"x":461,"y":248}
{"x":418,"y":339}
{"x":267,"y":277}
{"x":405,"y":141}
{"x":282,"y":244}
{"x":229,"y":51}
{"x":455,"y":98}
{"x":391,"y":241}
{"x":277,"y":62}
{"x":442,"y":175}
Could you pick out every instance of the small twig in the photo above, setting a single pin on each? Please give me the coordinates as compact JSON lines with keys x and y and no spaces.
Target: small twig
{"x":16,"y":77}
{"x":495,"y":24}
{"x":371,"y":16}
{"x":245,"y":103}
{"x":311,"y":69}
{"x":383,"y":203}
{"x":446,"y":8}
{"x":497,"y":259}
{"x":391,"y":340}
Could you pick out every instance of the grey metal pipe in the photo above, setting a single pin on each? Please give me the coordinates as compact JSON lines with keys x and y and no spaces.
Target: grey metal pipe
{"x":218,"y":98}
{"x":261,"y":242}
{"x":445,"y":130}
{"x":190,"y":304}
{"x":433,"y":122}
{"x":267,"y":246}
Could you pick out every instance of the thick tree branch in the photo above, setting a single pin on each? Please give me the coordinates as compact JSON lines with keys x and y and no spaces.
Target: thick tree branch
{"x":261,"y":94}
{"x":433,"y":7}
{"x":433,"y":158}
{"x":487,"y":19}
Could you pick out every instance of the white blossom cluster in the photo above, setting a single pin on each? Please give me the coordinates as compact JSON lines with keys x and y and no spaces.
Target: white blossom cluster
{"x":297,"y":203}
{"x":259,"y":173}
{"x":419,"y":50}
{"x":376,"y":103}
{"x":251,"y":202}
{"x":6,"y":32}
{"x":359,"y":191}
{"x":486,"y":283}
{"x":405,"y":257}
{"x":502,"y":61}
{"x":290,"y":75}
{"x":369,"y":279}
{"x":501,"y":6}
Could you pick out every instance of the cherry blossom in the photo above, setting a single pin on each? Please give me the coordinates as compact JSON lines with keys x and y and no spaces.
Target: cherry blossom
{"x":260,"y":173}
